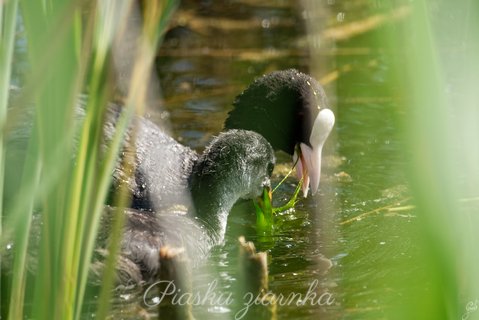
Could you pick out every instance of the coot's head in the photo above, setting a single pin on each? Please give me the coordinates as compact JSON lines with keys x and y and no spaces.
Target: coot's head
{"x":236,"y":164}
{"x":290,"y":110}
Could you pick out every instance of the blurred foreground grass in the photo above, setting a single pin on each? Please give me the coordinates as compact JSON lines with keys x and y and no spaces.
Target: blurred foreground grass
{"x":430,"y":49}
{"x":438,"y":73}
{"x":63,"y":174}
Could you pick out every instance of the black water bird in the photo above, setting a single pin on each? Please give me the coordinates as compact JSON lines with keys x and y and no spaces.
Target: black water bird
{"x":291,"y":111}
{"x":168,"y":174}
{"x":237,"y":164}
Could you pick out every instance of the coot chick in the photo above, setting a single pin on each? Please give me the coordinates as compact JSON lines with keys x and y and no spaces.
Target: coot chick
{"x":236,"y":164}
{"x":168,"y":174}
{"x":291,"y":111}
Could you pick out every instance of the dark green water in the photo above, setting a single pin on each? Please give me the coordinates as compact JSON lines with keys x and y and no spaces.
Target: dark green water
{"x":211,"y":56}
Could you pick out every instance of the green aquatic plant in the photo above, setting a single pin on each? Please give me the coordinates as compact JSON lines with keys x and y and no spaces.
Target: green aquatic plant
{"x":292,"y":201}
{"x":265,"y":212}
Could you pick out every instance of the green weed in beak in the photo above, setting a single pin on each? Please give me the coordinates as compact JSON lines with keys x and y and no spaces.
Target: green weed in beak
{"x":292,"y":202}
{"x":264,"y":209}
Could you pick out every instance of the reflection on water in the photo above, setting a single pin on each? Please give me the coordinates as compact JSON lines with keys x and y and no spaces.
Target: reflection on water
{"x":356,"y":238}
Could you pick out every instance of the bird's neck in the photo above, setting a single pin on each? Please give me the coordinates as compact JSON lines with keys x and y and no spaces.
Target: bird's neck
{"x":213,"y":204}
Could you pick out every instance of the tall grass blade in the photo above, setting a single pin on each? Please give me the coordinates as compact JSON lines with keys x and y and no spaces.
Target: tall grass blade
{"x":8,"y":18}
{"x":442,"y":133}
{"x":136,"y":99}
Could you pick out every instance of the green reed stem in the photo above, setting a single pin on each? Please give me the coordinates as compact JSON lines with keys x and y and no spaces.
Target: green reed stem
{"x":8,"y":16}
{"x":30,"y":182}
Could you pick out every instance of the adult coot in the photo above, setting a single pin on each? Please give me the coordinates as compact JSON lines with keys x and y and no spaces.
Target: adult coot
{"x":290,"y":110}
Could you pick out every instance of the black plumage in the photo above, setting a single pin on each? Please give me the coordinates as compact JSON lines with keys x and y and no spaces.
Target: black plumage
{"x":281,"y":106}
